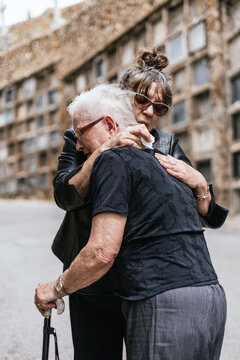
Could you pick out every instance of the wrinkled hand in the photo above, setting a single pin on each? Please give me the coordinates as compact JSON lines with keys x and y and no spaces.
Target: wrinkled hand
{"x":184,"y":172}
{"x":128,"y":137}
{"x":45,"y":296}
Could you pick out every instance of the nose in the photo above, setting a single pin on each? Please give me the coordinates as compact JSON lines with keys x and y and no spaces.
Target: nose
{"x":148,"y":111}
{"x":79,"y":145}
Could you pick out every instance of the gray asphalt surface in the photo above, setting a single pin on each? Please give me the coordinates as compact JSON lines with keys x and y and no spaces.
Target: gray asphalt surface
{"x":27,"y":229}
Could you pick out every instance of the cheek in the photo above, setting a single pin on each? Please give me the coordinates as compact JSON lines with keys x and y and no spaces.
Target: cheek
{"x":154,"y":119}
{"x":137,"y":113}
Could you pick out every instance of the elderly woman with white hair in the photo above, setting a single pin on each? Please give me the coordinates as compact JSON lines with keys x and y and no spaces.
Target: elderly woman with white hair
{"x":146,"y":229}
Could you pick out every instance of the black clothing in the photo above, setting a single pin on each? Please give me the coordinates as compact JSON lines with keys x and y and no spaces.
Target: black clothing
{"x":71,"y":237}
{"x":163,"y":244}
{"x":97,"y":328}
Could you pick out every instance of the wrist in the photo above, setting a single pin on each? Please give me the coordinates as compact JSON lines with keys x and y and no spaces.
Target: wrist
{"x":59,"y":287}
{"x":203,"y":195}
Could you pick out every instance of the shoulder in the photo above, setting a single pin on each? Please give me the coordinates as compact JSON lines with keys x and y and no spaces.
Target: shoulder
{"x":118,"y":160}
{"x":114,"y":156}
{"x":162,"y":134}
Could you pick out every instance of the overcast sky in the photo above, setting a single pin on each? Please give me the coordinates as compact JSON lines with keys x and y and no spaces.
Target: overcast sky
{"x":17,"y":10}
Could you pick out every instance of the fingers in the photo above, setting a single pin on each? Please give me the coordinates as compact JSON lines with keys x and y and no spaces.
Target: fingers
{"x":167,"y":161}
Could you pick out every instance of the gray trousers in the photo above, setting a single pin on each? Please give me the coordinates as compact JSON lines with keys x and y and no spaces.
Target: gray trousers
{"x":181,"y":324}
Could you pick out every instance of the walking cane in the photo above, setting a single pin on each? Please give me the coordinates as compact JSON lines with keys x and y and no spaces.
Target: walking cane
{"x":48,"y":330}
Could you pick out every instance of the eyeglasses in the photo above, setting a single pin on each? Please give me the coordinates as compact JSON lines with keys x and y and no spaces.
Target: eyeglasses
{"x":143,"y":102}
{"x":81,"y":131}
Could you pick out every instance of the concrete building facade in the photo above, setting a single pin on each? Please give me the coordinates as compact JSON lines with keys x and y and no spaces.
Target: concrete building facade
{"x":97,"y":42}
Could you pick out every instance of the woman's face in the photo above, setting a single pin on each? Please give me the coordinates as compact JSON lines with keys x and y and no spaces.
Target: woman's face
{"x":147,"y":116}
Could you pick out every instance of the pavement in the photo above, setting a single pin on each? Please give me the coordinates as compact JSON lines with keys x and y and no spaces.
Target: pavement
{"x":27,"y":229}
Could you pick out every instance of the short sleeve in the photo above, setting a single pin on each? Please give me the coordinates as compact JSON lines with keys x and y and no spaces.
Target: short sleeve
{"x":110,"y":184}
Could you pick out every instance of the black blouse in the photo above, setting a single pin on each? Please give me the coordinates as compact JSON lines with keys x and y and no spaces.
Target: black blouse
{"x":163,"y":244}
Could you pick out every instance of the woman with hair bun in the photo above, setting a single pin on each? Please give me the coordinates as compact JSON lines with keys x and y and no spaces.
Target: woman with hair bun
{"x":151,"y":95}
{"x":151,"y":92}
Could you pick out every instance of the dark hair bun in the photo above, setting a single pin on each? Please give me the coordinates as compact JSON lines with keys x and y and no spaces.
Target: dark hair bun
{"x":151,"y":58}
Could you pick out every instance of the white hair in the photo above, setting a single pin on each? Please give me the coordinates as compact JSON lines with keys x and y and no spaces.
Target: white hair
{"x":104,"y":100}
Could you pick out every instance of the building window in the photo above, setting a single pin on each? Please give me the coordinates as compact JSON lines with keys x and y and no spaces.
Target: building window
{"x":10,"y":169}
{"x":21,"y":146}
{"x":41,"y":121}
{"x":11,"y":131}
{"x":30,"y":106}
{"x":100,"y":68}
{"x":2,"y":134}
{"x":201,"y":72}
{"x":11,"y":149}
{"x":42,"y":141}
{"x":10,"y":115}
{"x":39,"y":101}
{"x":43,"y":181}
{"x":159,"y":32}
{"x":30,"y":124}
{"x":197,"y":8}
{"x":81,"y":82}
{"x":43,"y":159}
{"x":21,"y":184}
{"x":53,"y":118}
{"x":197,"y":37}
{"x":29,"y":87}
{"x":128,"y":53}
{"x":201,"y":105}
{"x":204,"y":167}
{"x":9,"y":95}
{"x":31,"y":163}
{"x":176,"y":49}
{"x":40,"y":83}
{"x":141,"y":40}
{"x":2,"y":188}
{"x":21,"y":164}
{"x":233,"y":9}
{"x":180,"y":82}
{"x":112,"y":59}
{"x":52,"y":97}
{"x":32,"y":182}
{"x":179,"y":113}
{"x":235,"y":87}
{"x":176,"y":18}
{"x":234,"y":51}
{"x":53,"y":81}
{"x":203,"y":140}
{"x":3,"y":151}
{"x":11,"y":186}
{"x":2,"y":171}
{"x":54,"y":138}
{"x":236,"y":126}
{"x":21,"y":128}
{"x":3,"y":118}
{"x":29,"y":145}
{"x":236,"y":164}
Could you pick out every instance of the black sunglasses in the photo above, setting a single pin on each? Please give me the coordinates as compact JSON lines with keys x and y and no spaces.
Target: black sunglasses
{"x":143,"y":102}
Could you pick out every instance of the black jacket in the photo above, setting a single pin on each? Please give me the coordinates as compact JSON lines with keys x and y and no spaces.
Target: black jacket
{"x":75,"y":229}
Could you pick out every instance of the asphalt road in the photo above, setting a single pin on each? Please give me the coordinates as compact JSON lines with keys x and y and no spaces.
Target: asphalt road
{"x":27,"y":229}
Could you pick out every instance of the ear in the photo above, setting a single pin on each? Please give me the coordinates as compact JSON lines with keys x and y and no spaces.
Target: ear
{"x":112,"y":126}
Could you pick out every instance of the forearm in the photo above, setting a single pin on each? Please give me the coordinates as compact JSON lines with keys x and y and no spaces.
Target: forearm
{"x":80,"y":179}
{"x":88,"y":267}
